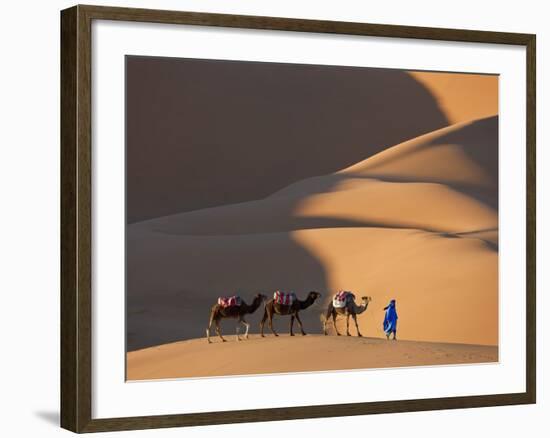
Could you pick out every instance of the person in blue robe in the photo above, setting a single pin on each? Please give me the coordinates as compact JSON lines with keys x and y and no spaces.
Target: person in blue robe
{"x":390,"y":320}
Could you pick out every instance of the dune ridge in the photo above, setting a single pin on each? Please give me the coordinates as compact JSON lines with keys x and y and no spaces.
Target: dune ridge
{"x":463,"y":153}
{"x":461,"y":97}
{"x":393,"y":188}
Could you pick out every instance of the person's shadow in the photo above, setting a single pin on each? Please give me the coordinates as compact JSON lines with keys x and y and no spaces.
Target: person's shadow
{"x":51,"y":417}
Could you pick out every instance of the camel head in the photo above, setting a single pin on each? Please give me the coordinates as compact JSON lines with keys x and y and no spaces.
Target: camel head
{"x":260,"y":297}
{"x":366,"y":300}
{"x":314,"y":295}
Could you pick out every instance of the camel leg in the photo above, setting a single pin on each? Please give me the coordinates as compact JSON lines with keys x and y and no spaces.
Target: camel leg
{"x":210,"y":321}
{"x":354,"y":316}
{"x":237,"y":329}
{"x":334,"y":323}
{"x":247,"y":325}
{"x":347,"y":325}
{"x":301,"y":326}
{"x":270,"y":321}
{"x":291,"y":324}
{"x":327,"y":316}
{"x":262,"y":322}
{"x":218,"y":331}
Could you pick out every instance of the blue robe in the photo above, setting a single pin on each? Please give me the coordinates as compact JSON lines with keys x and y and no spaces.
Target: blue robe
{"x":390,"y":319}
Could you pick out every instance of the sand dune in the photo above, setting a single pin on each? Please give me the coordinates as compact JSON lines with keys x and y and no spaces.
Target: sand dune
{"x":368,"y":202}
{"x":462,"y":97}
{"x":414,"y":222}
{"x":232,"y":132}
{"x":195,"y":358}
{"x":446,"y":287}
{"x":461,"y":154}
{"x":445,"y":181}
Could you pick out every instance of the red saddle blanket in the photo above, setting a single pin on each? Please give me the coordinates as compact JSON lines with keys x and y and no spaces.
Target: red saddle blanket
{"x":283,"y":298}
{"x":342,"y":298}
{"x":230,"y":301}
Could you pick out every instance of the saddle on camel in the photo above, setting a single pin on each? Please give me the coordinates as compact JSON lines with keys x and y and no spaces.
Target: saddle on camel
{"x":284,"y":298}
{"x":342,"y":298}
{"x":231,"y":301}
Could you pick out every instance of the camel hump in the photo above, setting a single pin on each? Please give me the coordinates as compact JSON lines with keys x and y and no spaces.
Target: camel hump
{"x":284,"y":298}
{"x":233,"y":300}
{"x":342,"y":298}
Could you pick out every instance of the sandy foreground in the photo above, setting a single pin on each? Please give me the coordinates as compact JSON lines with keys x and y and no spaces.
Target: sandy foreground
{"x":197,"y":358}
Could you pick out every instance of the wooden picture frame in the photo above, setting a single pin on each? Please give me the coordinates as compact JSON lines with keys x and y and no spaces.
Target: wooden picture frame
{"x":76,"y":218}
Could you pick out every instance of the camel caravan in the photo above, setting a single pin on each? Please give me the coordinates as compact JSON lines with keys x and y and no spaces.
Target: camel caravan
{"x":284,"y":304}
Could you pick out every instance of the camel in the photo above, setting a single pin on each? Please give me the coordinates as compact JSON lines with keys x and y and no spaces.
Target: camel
{"x":271,"y":308}
{"x":217,"y":313}
{"x":350,"y":309}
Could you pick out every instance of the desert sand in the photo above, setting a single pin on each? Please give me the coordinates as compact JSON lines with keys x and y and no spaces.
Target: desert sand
{"x":461,"y":97}
{"x":196,"y":358}
{"x":416,"y":221}
{"x":258,"y":127}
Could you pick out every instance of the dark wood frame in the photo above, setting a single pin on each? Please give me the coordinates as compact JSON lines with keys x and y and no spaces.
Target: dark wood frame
{"x":76,"y":322}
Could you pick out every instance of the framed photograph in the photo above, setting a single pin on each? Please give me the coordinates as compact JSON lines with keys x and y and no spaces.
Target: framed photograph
{"x":270,"y":218}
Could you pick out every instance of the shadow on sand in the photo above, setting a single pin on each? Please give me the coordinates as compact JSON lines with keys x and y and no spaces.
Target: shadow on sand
{"x":202,"y":133}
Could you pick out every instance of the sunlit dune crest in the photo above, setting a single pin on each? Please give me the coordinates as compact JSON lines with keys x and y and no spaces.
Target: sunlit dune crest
{"x":465,"y":153}
{"x":462,"y":97}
